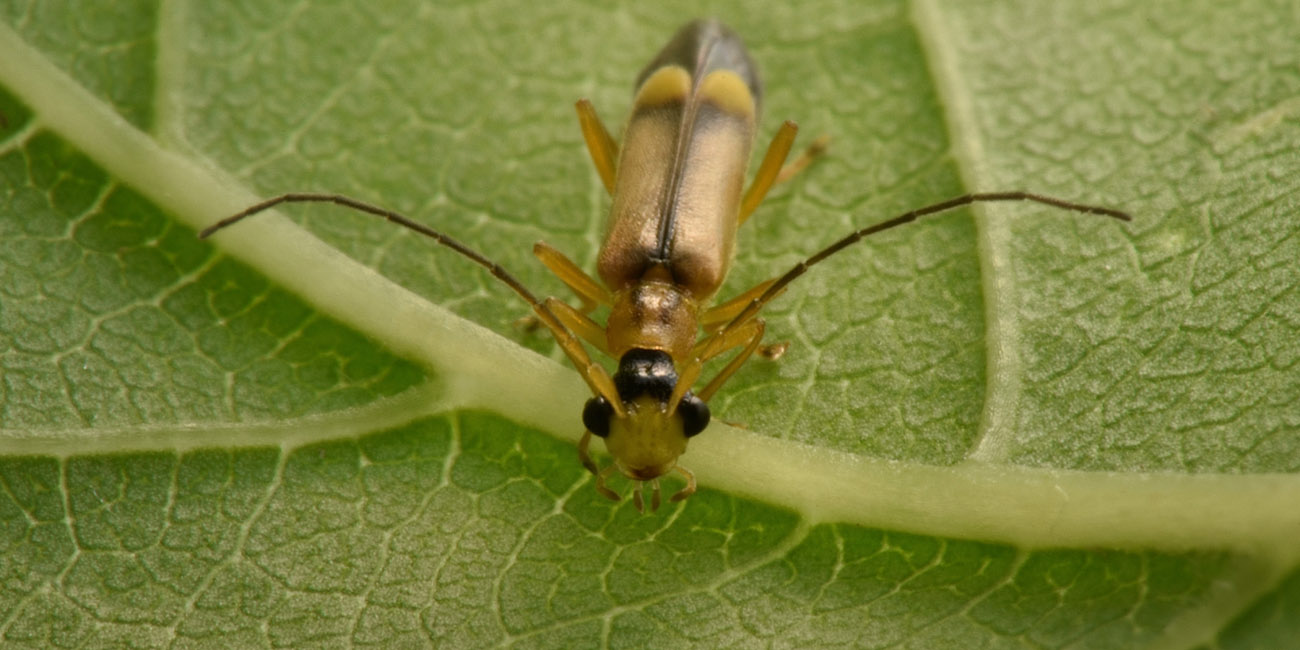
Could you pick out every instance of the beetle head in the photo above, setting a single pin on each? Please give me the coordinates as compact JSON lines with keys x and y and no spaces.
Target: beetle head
{"x":648,"y":440}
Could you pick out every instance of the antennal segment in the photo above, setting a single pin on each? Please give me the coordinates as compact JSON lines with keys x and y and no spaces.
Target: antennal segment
{"x":856,"y":236}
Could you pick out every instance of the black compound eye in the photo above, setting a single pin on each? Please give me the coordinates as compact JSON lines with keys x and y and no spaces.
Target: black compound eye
{"x":596,"y":415}
{"x":695,"y":415}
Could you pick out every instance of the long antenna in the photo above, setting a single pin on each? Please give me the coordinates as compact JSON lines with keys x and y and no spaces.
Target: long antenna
{"x":858,"y":235}
{"x":592,"y":372}
{"x":495,"y":269}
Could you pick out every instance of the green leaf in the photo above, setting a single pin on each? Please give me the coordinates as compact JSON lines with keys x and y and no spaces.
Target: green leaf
{"x":1002,"y":427}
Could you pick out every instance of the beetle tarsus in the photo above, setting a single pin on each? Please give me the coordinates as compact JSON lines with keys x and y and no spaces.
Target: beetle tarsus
{"x":585,"y":456}
{"x":601,"y":487}
{"x":690,"y":484}
{"x":774,"y":351}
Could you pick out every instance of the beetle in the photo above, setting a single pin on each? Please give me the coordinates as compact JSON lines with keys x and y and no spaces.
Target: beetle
{"x":678,"y":196}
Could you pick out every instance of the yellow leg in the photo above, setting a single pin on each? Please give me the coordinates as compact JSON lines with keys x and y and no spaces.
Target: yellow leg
{"x":654,"y":496}
{"x":600,"y":144}
{"x":686,"y":376}
{"x":600,"y":483}
{"x":595,"y":375}
{"x":773,"y":169}
{"x":584,"y":455}
{"x":718,"y":317}
{"x":770,"y":169}
{"x":817,"y":148}
{"x":715,"y":317}
{"x":590,"y":292}
{"x":690,"y":484}
{"x":750,"y":334}
{"x":579,"y":324}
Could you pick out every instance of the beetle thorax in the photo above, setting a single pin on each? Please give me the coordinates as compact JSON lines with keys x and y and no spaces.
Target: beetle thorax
{"x":653,"y":315}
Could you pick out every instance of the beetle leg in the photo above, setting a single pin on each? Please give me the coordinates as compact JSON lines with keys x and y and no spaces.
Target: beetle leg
{"x":690,"y":484}
{"x":749,"y":334}
{"x":584,"y":455}
{"x":713,"y":320}
{"x":600,"y":144}
{"x":817,"y":148}
{"x":579,"y":323}
{"x":686,"y":376}
{"x":715,"y":317}
{"x":593,"y":373}
{"x":708,"y":348}
{"x":590,"y":292}
{"x":775,"y":170}
{"x":600,"y":484}
{"x":769,"y":170}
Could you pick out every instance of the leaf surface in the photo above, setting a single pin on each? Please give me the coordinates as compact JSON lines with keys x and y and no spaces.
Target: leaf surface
{"x":1002,"y":427}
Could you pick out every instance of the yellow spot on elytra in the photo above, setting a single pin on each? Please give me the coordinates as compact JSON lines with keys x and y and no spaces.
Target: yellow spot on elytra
{"x":726,"y":90}
{"x":666,"y":85}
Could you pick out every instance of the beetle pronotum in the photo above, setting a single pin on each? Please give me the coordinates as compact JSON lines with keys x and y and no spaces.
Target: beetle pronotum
{"x":678,"y":197}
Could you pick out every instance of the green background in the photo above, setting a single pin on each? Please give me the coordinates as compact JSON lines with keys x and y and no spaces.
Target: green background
{"x":195,"y":455}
